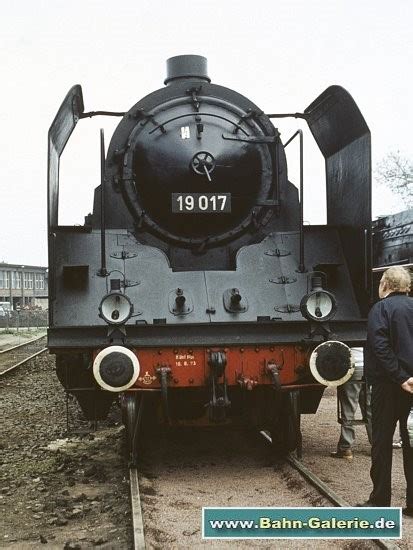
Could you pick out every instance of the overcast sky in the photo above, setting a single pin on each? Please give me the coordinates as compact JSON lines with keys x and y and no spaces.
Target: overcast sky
{"x":281,"y":54}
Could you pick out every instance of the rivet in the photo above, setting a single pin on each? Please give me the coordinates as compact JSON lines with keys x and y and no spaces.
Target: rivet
{"x":176,"y":380}
{"x":190,"y":351}
{"x":257,"y":349}
{"x":191,"y":380}
{"x":175,"y":351}
{"x":159,"y":352}
{"x":272,"y":348}
{"x":242,"y":350}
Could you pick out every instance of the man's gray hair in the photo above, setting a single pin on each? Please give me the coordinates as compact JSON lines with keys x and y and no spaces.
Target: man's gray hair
{"x":397,"y":279}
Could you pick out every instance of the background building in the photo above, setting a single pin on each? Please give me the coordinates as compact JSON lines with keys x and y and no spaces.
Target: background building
{"x":23,"y":286}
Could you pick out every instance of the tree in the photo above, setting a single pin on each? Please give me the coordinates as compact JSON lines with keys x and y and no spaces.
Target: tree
{"x":396,"y":172}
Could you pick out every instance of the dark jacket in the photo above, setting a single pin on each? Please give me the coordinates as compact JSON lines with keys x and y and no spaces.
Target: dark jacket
{"x":389,"y":348}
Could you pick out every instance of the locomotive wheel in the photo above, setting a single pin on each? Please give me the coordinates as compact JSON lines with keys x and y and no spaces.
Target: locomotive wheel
{"x":286,"y":430}
{"x":132,"y":409}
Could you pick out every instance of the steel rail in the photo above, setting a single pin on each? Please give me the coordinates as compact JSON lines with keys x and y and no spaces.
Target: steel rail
{"x":327,"y":492}
{"x":137,"y":521}
{"x":23,"y":344}
{"x":13,"y":367}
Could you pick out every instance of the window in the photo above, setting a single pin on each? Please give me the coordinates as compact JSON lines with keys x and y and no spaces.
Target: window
{"x":39,"y":281}
{"x":1,"y":279}
{"x":16,"y":279}
{"x":6,"y":279}
{"x":28,"y":281}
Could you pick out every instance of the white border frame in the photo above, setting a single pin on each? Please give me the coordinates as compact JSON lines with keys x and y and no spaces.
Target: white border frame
{"x":104,"y":353}
{"x":319,"y":378}
{"x":286,"y":509}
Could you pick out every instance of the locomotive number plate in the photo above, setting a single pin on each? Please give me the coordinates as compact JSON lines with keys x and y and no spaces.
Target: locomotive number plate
{"x":201,"y":203}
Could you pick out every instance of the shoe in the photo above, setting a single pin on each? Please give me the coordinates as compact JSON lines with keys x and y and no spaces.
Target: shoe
{"x":408,"y":511}
{"x":342,"y":453}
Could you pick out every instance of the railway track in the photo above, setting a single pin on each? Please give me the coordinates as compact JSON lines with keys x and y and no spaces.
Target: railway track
{"x":308,"y":475}
{"x":16,"y":356}
{"x":326,"y":491}
{"x":137,"y":521}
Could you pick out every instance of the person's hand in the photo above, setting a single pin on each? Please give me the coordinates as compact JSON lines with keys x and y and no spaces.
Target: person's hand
{"x":408,"y":385}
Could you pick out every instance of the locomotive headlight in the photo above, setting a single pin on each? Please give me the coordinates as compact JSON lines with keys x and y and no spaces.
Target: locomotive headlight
{"x":115,"y":308}
{"x":318,"y":305}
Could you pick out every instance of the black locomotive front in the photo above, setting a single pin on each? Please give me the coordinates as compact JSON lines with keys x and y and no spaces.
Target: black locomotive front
{"x":194,"y":284}
{"x":199,"y":149}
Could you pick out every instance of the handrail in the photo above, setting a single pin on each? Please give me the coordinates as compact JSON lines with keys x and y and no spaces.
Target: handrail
{"x":301,"y":266}
{"x":401,"y":263}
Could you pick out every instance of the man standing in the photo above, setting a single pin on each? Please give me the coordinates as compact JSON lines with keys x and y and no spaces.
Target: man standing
{"x":389,"y":369}
{"x":351,"y":394}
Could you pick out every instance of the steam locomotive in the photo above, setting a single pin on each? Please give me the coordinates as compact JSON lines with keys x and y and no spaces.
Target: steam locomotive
{"x":392,"y":239}
{"x":194,"y":294}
